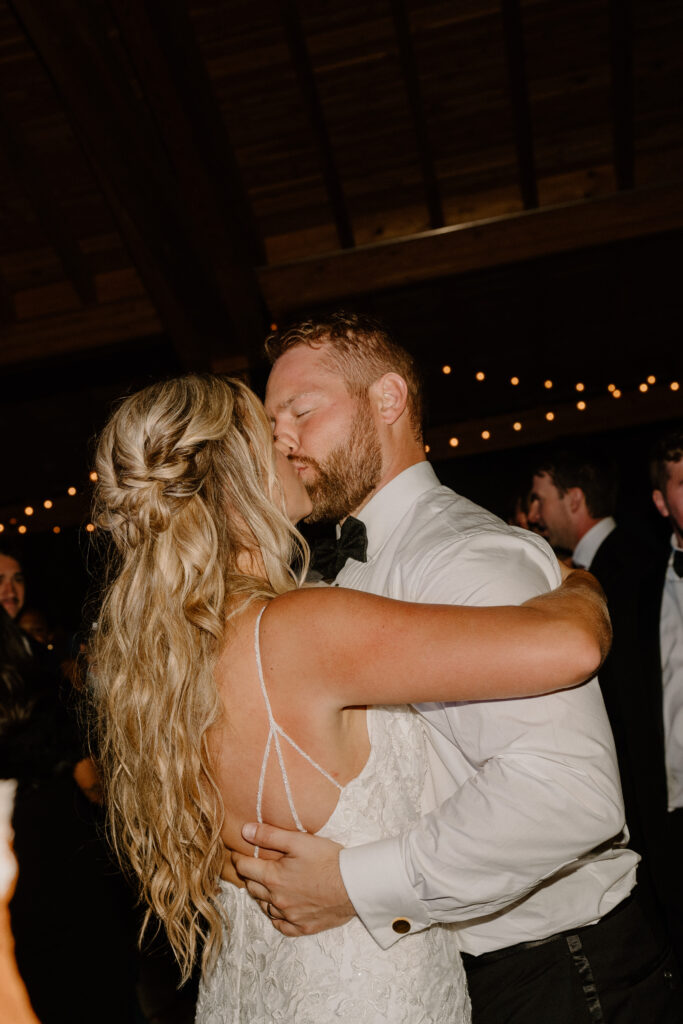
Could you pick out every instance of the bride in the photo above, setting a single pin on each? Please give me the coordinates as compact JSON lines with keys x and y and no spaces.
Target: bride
{"x":225,"y":689}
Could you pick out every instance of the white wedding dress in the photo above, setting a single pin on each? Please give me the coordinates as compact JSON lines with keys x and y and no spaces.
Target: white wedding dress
{"x":262,"y":977}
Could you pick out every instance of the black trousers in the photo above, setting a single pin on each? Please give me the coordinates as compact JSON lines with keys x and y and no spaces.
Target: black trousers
{"x":617,"y":971}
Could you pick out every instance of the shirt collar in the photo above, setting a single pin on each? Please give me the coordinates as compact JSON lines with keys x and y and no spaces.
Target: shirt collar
{"x":586,"y":549}
{"x":387,"y":508}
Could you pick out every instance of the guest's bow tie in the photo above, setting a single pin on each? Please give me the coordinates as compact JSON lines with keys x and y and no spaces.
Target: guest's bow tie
{"x":678,"y":562}
{"x":329,"y":555}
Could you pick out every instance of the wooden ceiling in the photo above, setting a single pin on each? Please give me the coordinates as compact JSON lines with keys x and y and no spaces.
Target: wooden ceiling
{"x":176,"y":175}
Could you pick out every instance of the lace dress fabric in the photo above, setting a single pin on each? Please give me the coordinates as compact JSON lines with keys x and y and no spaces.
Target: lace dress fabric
{"x":262,"y":977}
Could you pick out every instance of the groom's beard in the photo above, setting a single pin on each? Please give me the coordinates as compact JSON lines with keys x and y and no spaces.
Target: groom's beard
{"x":349,"y":473}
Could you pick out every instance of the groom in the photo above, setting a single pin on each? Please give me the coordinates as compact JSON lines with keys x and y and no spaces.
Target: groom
{"x":526,"y":853}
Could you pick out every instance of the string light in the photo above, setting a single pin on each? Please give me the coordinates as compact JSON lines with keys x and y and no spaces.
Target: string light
{"x":616,"y":393}
{"x":480,"y":375}
{"x":446,"y":369}
{"x":651,"y":379}
{"x":47,"y":503}
{"x":486,"y":434}
{"x":22,"y":528}
{"x":90,"y":528}
{"x":517,"y":425}
{"x":427,"y":448}
{"x":611,"y":388}
{"x":642,"y":387}
{"x":56,"y":529}
{"x":93,"y":476}
{"x":550,"y":416}
{"x":71,"y":491}
{"x":581,"y":406}
{"x":453,"y":442}
{"x":674,"y":385}
{"x":547,"y":384}
{"x":514,"y":381}
{"x":273,"y":327}
{"x":580,"y":387}
{"x":28,"y":511}
{"x":2,"y":527}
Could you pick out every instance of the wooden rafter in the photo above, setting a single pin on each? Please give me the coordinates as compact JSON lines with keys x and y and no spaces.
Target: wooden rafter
{"x":621,"y":52}
{"x":414,"y":93}
{"x":303,"y":68}
{"x":519,"y":99}
{"x":464,"y":247}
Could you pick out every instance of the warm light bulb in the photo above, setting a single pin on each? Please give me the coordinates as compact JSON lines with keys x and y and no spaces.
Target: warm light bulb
{"x":56,"y":529}
{"x":616,"y":393}
{"x":273,"y":327}
{"x":22,"y":528}
{"x":580,"y":387}
{"x":47,"y":503}
{"x":427,"y":448}
{"x":517,"y":425}
{"x":90,"y":527}
{"x":547,"y":384}
{"x":2,"y":527}
{"x":581,"y":406}
{"x":674,"y":385}
{"x":611,"y":387}
{"x":486,"y":434}
{"x":453,"y":442}
{"x":28,"y":511}
{"x":651,"y":379}
{"x":480,"y":375}
{"x":446,"y":369}
{"x":93,"y":476}
{"x":71,"y":491}
{"x":642,"y":387}
{"x":514,"y":381}
{"x":550,"y":416}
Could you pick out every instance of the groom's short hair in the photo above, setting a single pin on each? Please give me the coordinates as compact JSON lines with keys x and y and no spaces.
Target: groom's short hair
{"x":360,"y":348}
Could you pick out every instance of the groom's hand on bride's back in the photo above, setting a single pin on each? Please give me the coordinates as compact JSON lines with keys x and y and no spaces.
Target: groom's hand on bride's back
{"x":301,"y":891}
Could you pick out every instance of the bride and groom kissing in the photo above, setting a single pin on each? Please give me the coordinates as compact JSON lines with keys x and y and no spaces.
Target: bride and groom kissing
{"x":480,"y":832}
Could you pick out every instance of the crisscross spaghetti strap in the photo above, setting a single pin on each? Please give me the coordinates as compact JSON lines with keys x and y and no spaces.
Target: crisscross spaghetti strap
{"x":275,"y":733}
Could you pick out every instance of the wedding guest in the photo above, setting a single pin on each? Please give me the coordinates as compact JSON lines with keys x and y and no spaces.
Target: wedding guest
{"x":12,"y":585}
{"x":527,"y":853}
{"x":34,"y":623}
{"x":73,"y":943}
{"x":642,"y":681}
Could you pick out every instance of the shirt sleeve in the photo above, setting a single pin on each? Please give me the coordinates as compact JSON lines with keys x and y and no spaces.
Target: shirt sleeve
{"x":536,"y":783}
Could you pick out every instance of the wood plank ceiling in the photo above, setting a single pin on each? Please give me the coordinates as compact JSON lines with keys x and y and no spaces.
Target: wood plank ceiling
{"x":184,"y":173}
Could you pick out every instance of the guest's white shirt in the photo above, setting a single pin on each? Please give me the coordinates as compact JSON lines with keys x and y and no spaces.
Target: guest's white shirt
{"x":587,"y":548}
{"x":531,"y":838}
{"x":671,"y":645}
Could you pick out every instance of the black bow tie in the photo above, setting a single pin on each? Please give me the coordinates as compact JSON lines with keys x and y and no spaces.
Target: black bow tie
{"x":678,"y":562}
{"x":329,"y":555}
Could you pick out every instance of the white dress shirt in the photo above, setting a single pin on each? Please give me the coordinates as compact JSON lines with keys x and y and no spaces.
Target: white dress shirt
{"x":587,"y":548}
{"x":531,"y":838}
{"x":671,"y":645}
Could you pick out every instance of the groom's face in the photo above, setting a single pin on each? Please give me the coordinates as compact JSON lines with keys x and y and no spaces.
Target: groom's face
{"x":328,"y":434}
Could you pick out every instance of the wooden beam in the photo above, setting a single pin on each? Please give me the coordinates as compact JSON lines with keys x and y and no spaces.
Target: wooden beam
{"x":623,"y":100}
{"x":131,"y":164}
{"x":464,"y":247}
{"x":414,"y":93}
{"x":303,"y":69}
{"x":519,"y":97}
{"x":32,"y":178}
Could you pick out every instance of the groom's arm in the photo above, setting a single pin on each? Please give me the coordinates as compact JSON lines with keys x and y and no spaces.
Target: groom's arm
{"x":545,"y":792}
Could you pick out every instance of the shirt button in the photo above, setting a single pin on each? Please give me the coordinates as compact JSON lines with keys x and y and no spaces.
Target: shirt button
{"x":401,"y":925}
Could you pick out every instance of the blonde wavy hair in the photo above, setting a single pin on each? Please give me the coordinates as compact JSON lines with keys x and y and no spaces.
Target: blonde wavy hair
{"x":186,"y":488}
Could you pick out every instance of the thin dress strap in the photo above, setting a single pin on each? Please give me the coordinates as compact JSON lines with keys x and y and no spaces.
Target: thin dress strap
{"x":274,"y":734}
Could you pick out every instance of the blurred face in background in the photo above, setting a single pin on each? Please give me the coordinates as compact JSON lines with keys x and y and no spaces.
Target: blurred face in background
{"x":669,"y":502}
{"x":12,"y":587}
{"x":34,"y":623}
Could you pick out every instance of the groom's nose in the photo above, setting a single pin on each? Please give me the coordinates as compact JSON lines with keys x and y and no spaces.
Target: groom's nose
{"x":284,"y":440}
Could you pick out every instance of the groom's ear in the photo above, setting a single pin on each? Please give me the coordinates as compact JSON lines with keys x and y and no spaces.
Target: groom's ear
{"x":389,"y":396}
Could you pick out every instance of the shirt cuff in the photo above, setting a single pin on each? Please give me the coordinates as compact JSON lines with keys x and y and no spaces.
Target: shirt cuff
{"x":382,"y":896}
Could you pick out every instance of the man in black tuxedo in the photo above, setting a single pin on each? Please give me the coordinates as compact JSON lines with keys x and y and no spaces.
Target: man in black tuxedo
{"x":642,"y":680}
